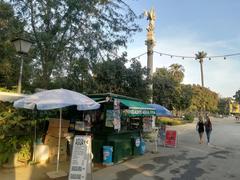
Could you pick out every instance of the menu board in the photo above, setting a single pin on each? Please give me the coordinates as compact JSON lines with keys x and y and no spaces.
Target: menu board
{"x":81,"y":158}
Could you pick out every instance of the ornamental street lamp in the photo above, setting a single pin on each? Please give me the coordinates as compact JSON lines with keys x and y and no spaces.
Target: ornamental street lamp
{"x":22,"y":46}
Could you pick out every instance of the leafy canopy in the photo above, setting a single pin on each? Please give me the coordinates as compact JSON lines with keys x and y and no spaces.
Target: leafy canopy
{"x":65,"y":30}
{"x":237,"y":96}
{"x":9,"y":64}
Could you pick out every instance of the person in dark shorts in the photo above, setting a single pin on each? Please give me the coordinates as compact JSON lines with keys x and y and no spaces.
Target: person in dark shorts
{"x":200,"y":129}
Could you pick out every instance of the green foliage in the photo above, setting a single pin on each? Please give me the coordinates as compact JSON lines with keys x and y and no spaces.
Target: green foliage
{"x":223,"y":106}
{"x":169,"y":121}
{"x":167,"y":89}
{"x":237,"y":96}
{"x":113,"y":76}
{"x":14,"y":132}
{"x":15,"y":144}
{"x":184,"y":98}
{"x":24,"y":152}
{"x":7,"y":148}
{"x":189,"y":117}
{"x":137,"y":82}
{"x":177,"y":71}
{"x":9,"y":63}
{"x":203,"y":98}
{"x":168,"y":92}
{"x":65,"y":31}
{"x":201,"y":55}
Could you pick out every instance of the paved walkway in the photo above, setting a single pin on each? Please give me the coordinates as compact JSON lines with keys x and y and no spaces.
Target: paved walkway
{"x":189,"y":160}
{"x":38,"y":171}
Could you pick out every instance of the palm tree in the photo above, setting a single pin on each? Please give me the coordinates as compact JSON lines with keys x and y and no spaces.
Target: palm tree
{"x":201,"y":55}
{"x":177,"y":70}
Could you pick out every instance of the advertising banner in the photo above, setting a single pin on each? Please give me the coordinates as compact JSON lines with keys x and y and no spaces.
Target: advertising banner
{"x":116,"y":115}
{"x":171,"y":138}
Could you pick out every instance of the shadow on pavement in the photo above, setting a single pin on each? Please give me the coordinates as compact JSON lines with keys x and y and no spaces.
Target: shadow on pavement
{"x":179,"y":166}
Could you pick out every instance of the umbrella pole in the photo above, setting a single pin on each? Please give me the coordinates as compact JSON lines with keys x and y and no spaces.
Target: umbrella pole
{"x":59,"y":138}
{"x":35,"y":139}
{"x":57,"y":173}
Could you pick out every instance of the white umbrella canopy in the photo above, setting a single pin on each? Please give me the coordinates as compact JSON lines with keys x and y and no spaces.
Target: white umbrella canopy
{"x":56,"y":99}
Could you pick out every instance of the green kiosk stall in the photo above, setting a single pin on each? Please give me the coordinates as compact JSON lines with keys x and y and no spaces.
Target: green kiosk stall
{"x":119,"y":123}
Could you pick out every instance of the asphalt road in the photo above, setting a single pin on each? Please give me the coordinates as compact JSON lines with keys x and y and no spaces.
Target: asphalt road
{"x":188,"y":161}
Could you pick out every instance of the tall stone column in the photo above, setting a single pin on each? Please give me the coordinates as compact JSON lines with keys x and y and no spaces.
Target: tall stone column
{"x":150,"y":42}
{"x":150,"y":46}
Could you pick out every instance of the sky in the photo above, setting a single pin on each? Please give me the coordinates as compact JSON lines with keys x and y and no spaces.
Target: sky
{"x":184,"y":27}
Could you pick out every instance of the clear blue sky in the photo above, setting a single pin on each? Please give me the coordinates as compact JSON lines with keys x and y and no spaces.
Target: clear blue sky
{"x":184,"y":27}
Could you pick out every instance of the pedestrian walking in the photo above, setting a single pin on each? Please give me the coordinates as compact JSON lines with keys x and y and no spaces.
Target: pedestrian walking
{"x":200,"y":129}
{"x":208,"y":128}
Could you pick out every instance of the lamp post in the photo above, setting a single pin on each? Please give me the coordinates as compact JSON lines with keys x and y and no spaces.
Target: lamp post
{"x":22,"y":46}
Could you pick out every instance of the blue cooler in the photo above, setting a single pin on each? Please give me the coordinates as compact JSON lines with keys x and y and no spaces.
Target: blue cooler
{"x":142,"y":147}
{"x":107,"y":155}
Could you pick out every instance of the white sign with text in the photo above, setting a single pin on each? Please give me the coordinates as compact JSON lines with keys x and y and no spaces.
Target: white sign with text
{"x":81,"y":158}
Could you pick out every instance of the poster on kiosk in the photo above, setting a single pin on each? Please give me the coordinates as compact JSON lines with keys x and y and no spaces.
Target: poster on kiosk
{"x":81,"y":160}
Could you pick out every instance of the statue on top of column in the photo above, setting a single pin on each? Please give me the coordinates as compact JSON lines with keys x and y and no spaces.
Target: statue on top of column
{"x":151,"y":17}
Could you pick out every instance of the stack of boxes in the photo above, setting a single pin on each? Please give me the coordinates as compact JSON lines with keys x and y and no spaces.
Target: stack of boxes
{"x":51,"y":140}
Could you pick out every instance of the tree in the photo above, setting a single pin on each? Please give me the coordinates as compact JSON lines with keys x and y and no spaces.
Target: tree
{"x":177,"y":71}
{"x":113,"y":76}
{"x":201,"y":55}
{"x":9,"y":63}
{"x":66,"y":29}
{"x":237,"y":96}
{"x":137,"y":81}
{"x":110,"y":76}
{"x":165,"y":91}
{"x":185,"y":97}
{"x":223,"y":105}
{"x":203,"y":99}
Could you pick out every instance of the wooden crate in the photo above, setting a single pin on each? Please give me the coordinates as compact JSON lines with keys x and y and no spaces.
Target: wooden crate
{"x":54,"y":123}
{"x":55,"y":132}
{"x":54,"y":149}
{"x":53,"y":141}
{"x":62,"y":158}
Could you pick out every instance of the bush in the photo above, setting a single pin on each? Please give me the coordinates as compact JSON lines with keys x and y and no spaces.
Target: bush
{"x":15,"y":133}
{"x":24,"y":152}
{"x":189,"y":117}
{"x":168,"y":121}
